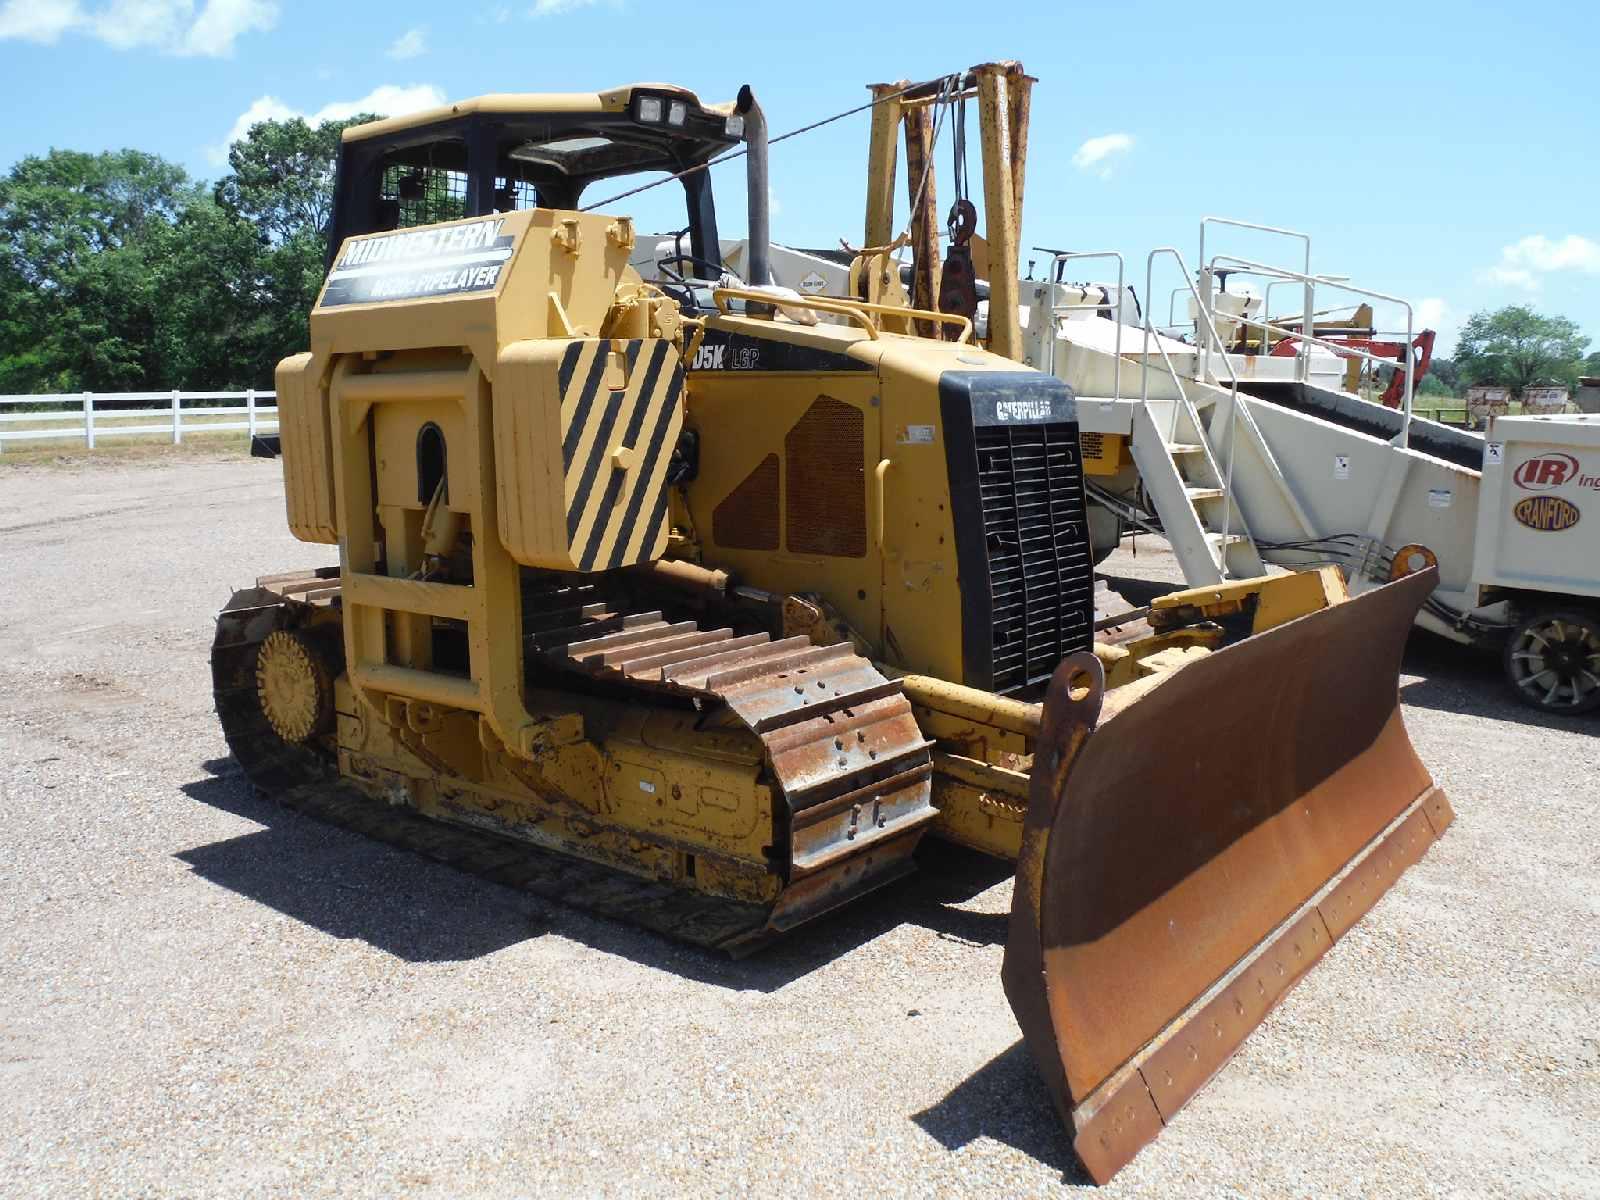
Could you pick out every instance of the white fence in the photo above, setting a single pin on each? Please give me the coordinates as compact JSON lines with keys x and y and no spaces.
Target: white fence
{"x":85,"y":414}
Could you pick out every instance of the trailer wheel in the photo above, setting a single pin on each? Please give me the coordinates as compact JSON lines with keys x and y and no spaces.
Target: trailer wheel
{"x":1552,"y":660}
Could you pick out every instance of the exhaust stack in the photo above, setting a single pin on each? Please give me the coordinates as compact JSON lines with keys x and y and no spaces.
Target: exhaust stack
{"x":758,"y":263}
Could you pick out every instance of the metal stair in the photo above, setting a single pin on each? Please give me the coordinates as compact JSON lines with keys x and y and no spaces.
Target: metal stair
{"x":1187,"y":487}
{"x":1183,"y":465}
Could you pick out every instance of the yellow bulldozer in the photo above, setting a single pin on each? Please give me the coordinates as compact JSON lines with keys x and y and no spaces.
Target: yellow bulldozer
{"x":659,"y":597}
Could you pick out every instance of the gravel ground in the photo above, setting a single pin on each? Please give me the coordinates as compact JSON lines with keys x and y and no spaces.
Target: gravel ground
{"x":201,"y":994}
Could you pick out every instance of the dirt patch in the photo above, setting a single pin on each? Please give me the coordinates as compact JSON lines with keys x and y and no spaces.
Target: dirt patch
{"x":196,"y":447}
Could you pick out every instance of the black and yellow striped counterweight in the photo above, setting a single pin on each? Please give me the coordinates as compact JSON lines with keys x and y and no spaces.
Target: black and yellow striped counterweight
{"x":614,"y":408}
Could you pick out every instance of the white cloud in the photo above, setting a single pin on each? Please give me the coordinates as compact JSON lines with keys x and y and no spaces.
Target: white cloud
{"x":1539,"y":253}
{"x":129,"y":24}
{"x":554,"y":8}
{"x":170,"y":26}
{"x":263,"y":108}
{"x":1523,"y":262}
{"x":1517,"y":277}
{"x":409,"y":44}
{"x":221,"y":21}
{"x":1432,"y":313}
{"x":1097,"y":153}
{"x":389,"y":100}
{"x":38,"y":20}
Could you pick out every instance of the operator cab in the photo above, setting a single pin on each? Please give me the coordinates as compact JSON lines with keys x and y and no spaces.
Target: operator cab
{"x":502,"y":153}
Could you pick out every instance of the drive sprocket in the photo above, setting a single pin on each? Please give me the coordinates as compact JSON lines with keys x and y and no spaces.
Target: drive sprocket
{"x":276,"y":708}
{"x":293,"y":687}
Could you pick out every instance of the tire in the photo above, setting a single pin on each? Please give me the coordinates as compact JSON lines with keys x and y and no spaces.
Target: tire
{"x":1552,"y":661}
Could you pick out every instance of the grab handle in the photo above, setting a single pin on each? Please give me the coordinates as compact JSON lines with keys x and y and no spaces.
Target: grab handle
{"x":878,"y":473}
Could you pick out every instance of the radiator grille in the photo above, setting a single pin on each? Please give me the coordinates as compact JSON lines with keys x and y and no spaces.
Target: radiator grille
{"x":747,"y":517}
{"x":827,"y":489}
{"x":1041,"y":577}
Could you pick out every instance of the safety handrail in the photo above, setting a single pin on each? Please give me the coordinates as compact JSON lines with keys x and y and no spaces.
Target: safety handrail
{"x":1266,"y":301}
{"x":1233,"y":408}
{"x":1310,"y":339}
{"x":1057,"y":309}
{"x":1303,"y":238}
{"x":718,"y":295}
{"x":1172,"y":302}
{"x":859,"y":310}
{"x":1172,"y":372}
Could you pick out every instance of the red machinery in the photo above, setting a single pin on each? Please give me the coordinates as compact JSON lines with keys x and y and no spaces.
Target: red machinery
{"x":1362,"y":339}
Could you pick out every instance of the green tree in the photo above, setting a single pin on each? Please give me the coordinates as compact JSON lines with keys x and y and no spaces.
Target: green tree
{"x":117,"y":272}
{"x":214,"y":326}
{"x":1446,"y":372}
{"x":1519,"y":348}
{"x":77,"y":303}
{"x":280,"y":176}
{"x":281,"y":185}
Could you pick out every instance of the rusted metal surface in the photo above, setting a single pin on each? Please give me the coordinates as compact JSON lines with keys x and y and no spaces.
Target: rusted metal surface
{"x":1072,"y":707}
{"x":691,"y":577}
{"x":842,"y":743}
{"x":1180,"y":1066}
{"x":973,"y":704}
{"x":304,"y":778}
{"x":842,"y":746}
{"x":833,"y":726}
{"x":1121,"y":1121}
{"x":1166,"y":913}
{"x":924,"y":226}
{"x":1115,"y":620}
{"x":813,"y":895}
{"x":319,"y":586}
{"x":958,"y":278}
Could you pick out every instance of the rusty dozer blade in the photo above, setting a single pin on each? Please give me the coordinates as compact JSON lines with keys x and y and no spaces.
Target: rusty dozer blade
{"x":1186,"y":862}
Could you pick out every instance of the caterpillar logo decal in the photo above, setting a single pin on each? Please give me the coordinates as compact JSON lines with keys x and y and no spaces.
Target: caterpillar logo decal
{"x":1547,"y":514}
{"x":616,"y":445}
{"x":1023,"y":410}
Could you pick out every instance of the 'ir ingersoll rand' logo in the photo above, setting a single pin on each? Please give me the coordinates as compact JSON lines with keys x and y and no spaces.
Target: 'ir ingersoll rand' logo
{"x":1545,"y":471}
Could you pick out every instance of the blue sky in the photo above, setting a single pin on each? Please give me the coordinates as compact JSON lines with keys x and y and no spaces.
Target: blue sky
{"x":1443,"y":151}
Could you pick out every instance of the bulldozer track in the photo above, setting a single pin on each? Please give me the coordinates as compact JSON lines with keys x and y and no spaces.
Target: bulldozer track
{"x":573,"y":882}
{"x":831,"y":723}
{"x":842,"y":743}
